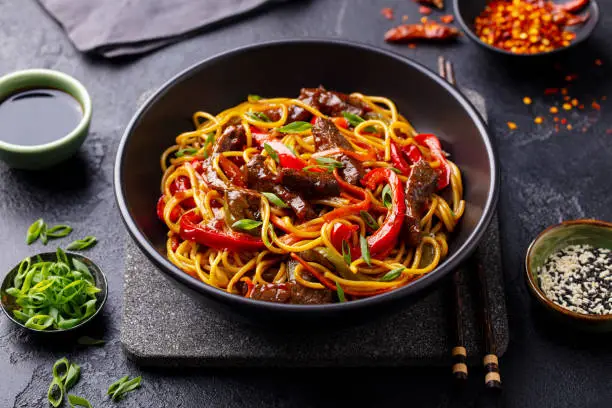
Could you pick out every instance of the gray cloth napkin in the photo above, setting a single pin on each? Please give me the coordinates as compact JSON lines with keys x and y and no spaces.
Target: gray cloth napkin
{"x":113,"y":28}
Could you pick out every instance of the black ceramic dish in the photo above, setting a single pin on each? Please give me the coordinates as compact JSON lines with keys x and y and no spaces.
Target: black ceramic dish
{"x":8,"y":304}
{"x":466,"y":12}
{"x":223,"y":81}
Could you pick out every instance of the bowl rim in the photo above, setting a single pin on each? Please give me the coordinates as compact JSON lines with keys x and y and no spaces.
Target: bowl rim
{"x":449,"y":264}
{"x":466,"y":27}
{"x":535,"y":289}
{"x":78,"y":326}
{"x":64,"y":81}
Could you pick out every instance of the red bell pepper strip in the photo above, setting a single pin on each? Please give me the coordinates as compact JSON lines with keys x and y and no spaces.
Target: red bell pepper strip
{"x":232,"y":171}
{"x":215,"y":238}
{"x":286,"y":157}
{"x":342,"y":232}
{"x":412,"y":153}
{"x":174,"y":214}
{"x":250,"y":286}
{"x":386,"y":236}
{"x":398,"y":160}
{"x":182,"y":183}
{"x":443,"y":170}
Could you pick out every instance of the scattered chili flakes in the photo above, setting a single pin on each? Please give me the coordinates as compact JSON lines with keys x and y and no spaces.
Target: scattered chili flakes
{"x":596,"y":106}
{"x":598,"y":62}
{"x":423,"y":19}
{"x":527,"y":100}
{"x":425,"y":10}
{"x":538,"y":120}
{"x":566,"y":98}
{"x":512,"y":125}
{"x":569,"y":127}
{"x":574,"y":102}
{"x":571,"y":77}
{"x":447,"y":19}
{"x":412,"y":46}
{"x":553,"y":109}
{"x":581,"y":106}
{"x":404,"y":18}
{"x":567,"y":106}
{"x":563,"y":121}
{"x":563,"y":91}
{"x":556,"y":119}
{"x":551,"y":91}
{"x":387,"y":12}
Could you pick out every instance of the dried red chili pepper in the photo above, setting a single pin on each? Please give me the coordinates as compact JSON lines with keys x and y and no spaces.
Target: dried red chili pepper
{"x":437,"y":3}
{"x":429,"y":31}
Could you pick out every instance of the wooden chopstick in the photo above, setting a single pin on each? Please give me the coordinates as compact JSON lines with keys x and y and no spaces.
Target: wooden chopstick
{"x":490,"y":360}
{"x":458,"y":352}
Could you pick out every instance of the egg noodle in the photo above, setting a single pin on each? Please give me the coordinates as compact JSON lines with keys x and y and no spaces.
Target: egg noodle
{"x":284,"y":236}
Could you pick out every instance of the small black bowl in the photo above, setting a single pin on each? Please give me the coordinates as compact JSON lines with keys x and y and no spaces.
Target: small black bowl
{"x":429,"y":102}
{"x":467,"y":11}
{"x":8,"y":304}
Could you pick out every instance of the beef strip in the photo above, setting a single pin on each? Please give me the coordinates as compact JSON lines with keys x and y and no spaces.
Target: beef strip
{"x":211,"y":177}
{"x":327,"y":136}
{"x":261,"y":179}
{"x":233,"y":137}
{"x":330,"y":103}
{"x":242,"y":204}
{"x":291,"y":292}
{"x":310,"y":184}
{"x":420,"y":186}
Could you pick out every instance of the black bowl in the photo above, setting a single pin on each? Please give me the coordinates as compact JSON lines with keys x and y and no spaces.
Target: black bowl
{"x":280,"y":69}
{"x":466,"y":12}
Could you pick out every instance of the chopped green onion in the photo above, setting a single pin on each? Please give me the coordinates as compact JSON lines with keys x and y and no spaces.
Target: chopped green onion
{"x":260,"y":116}
{"x":55,"y":394}
{"x":210,"y":139}
{"x":386,"y":196}
{"x":295,"y":127}
{"x":353,"y":119}
{"x":59,"y":231}
{"x":346,"y":252}
{"x":396,"y":170}
{"x":392,"y":275}
{"x":39,"y":322}
{"x":44,"y":238}
{"x":292,"y":150}
{"x":276,"y":200}
{"x":81,"y":244}
{"x":246,"y":224}
{"x":365,"y":250}
{"x":34,"y":231}
{"x":76,"y":401}
{"x":253,"y":98}
{"x":121,"y":387}
{"x":329,"y":162}
{"x":189,"y":151}
{"x":271,"y":152}
{"x":74,"y":373}
{"x":340,"y":291}
{"x":369,"y":220}
{"x":90,"y":341}
{"x":60,"y":369}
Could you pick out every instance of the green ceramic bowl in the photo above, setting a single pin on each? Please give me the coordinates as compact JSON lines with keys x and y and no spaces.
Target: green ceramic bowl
{"x":7,"y":302}
{"x":45,"y":155}
{"x":576,"y":232}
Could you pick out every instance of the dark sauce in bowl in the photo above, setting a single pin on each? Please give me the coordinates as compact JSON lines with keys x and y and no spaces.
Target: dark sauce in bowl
{"x":34,"y":117}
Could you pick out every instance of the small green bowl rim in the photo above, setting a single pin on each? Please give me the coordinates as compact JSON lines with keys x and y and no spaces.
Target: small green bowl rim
{"x":100,"y":272}
{"x":537,"y":291}
{"x":60,"y":79}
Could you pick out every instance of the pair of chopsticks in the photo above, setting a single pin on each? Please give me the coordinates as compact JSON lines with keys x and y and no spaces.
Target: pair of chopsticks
{"x":459,"y":352}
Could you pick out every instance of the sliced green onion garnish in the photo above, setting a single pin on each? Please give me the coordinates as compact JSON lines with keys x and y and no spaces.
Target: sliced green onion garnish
{"x":369,"y":220}
{"x":246,"y":224}
{"x":365,"y":250}
{"x":271,"y":152}
{"x":386,"y":196}
{"x":81,"y":244}
{"x":260,"y":116}
{"x":34,"y":231}
{"x":346,"y":252}
{"x":295,"y":127}
{"x":59,"y":231}
{"x":276,"y":200}
{"x":340,"y":291}
{"x":76,"y":401}
{"x":392,"y":275}
{"x":353,"y":119}
{"x":329,"y":162}
{"x":189,"y":151}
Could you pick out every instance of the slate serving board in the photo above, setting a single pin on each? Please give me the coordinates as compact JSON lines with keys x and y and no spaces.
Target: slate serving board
{"x":162,"y":326}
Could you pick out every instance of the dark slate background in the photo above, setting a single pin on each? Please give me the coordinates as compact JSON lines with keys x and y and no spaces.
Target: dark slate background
{"x":546,"y":177}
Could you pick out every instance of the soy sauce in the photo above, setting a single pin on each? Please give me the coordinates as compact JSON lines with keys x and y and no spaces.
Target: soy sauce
{"x":33,"y":117}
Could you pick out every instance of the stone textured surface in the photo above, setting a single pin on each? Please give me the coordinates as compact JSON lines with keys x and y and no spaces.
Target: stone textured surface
{"x":546,"y":176}
{"x":164,"y":327}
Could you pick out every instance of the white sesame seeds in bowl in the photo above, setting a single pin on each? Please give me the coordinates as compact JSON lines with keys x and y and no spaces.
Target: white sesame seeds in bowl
{"x":569,"y":271}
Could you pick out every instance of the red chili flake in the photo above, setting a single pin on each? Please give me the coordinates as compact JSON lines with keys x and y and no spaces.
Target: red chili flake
{"x":574,"y":102}
{"x":569,"y":127}
{"x":425,"y":10}
{"x":608,"y":131}
{"x":571,"y":77}
{"x":603,"y":98}
{"x":412,"y":46}
{"x":581,"y":106}
{"x":423,"y":19}
{"x":598,"y":62}
{"x":556,"y":128}
{"x":596,"y":106}
{"x":566,"y":98}
{"x":511,"y":125}
{"x":387,"y":12}
{"x":551,"y":91}
{"x":447,"y":19}
{"x":563,"y":91}
{"x":556,"y":119}
{"x":563,"y":121}
{"x":404,"y":18}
